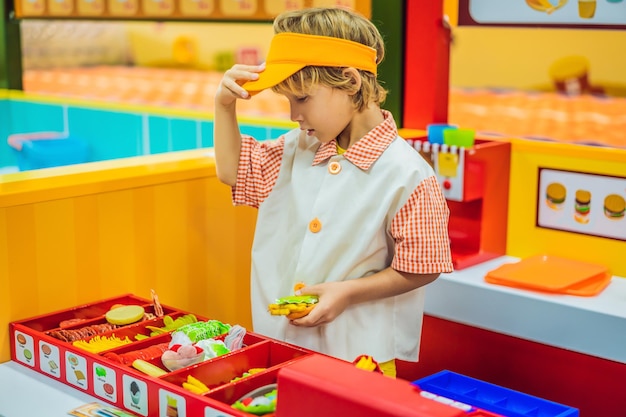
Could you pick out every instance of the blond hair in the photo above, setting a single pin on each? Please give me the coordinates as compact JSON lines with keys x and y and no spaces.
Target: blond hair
{"x":339,"y":23}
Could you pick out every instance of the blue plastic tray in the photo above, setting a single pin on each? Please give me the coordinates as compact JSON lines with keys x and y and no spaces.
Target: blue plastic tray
{"x":491,"y":397}
{"x":46,"y":153}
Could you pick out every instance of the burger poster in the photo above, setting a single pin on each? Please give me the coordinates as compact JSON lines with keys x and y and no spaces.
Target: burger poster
{"x":584,"y":203}
{"x":596,"y":13}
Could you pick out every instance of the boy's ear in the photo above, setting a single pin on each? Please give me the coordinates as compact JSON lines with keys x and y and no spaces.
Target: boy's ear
{"x":355,"y":78}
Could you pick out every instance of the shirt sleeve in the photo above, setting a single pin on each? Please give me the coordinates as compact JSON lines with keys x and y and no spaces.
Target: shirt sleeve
{"x":259,"y":165}
{"x":420,"y":230}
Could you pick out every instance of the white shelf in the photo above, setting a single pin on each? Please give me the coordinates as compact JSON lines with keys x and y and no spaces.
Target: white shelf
{"x":591,"y":325}
{"x":24,"y":392}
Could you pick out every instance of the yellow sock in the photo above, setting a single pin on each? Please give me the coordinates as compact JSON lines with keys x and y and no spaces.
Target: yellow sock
{"x":388,"y":368}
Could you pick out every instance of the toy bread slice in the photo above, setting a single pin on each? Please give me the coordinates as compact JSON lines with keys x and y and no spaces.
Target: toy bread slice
{"x":125,"y":315}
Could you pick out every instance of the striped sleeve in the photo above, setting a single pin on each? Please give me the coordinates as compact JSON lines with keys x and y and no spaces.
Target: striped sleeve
{"x":420,"y":230}
{"x":259,"y":165}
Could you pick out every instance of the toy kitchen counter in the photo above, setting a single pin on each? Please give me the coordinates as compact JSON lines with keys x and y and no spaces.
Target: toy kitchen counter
{"x":114,"y":351}
{"x":28,"y":393}
{"x":566,"y":348}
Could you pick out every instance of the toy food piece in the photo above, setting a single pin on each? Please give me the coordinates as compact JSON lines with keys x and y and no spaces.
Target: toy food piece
{"x":148,"y":368}
{"x":293,"y":306}
{"x":125,"y":315}
{"x":249,"y":372}
{"x":212,"y":348}
{"x":71,"y":335}
{"x":158,"y":309}
{"x":147,"y":353}
{"x":194,"y":332}
{"x":70,"y":322}
{"x":99,"y":343}
{"x":259,"y":402}
{"x":195,"y":385}
{"x":170,"y":324}
{"x":367,"y":363}
{"x":179,"y":356}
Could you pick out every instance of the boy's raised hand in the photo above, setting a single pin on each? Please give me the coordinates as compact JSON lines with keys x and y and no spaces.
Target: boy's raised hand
{"x":230,"y":88}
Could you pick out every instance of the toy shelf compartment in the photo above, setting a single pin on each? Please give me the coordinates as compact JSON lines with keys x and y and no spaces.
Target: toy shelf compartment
{"x":490,"y":397}
{"x":108,"y":374}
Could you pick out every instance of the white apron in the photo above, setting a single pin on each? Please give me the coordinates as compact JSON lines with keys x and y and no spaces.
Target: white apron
{"x":355,"y":209}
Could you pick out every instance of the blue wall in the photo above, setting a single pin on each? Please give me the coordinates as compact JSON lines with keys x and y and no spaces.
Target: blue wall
{"x":111,"y":134}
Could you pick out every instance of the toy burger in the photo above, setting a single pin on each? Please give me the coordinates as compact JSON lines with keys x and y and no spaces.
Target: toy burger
{"x":294,"y":306}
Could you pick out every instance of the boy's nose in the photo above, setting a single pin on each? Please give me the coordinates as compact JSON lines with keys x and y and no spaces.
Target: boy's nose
{"x":295,"y":116}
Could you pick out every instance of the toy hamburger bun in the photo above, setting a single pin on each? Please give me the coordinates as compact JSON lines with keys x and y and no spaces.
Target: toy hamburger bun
{"x":555,"y":195}
{"x":124,"y":315}
{"x":299,"y":314}
{"x":614,"y":206}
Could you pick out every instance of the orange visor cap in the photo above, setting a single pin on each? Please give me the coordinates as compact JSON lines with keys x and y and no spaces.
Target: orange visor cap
{"x":290,"y":52}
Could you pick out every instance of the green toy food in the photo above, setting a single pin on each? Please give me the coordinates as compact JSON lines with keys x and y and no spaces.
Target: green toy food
{"x":259,"y":402}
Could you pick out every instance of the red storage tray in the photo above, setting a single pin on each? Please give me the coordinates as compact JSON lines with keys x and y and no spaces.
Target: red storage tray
{"x":104,"y":377}
{"x":310,"y":384}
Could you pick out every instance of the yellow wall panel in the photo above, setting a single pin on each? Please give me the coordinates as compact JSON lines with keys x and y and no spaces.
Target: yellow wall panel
{"x":5,"y":293}
{"x":21,"y":250}
{"x":521,"y":57}
{"x":117,"y":239}
{"x":87,"y":232}
{"x":54,"y":254}
{"x":169,"y":226}
{"x":145,"y":237}
{"x":524,"y":237}
{"x":171,"y":245}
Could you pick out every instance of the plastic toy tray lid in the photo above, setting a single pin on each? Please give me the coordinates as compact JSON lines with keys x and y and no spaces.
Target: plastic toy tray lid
{"x":552,"y":274}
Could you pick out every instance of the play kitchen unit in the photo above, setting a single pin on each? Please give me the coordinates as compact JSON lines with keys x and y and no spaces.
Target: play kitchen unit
{"x":475,"y":182}
{"x":126,"y":366}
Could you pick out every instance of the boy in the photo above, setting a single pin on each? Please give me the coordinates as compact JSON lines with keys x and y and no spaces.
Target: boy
{"x":346,"y":206}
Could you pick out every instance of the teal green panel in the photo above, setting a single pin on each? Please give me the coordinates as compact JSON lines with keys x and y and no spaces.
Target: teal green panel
{"x":160,"y":138}
{"x":110,"y":134}
{"x":276,"y":132}
{"x":257,"y":132}
{"x":185,"y":134}
{"x":27,"y":116}
{"x":207,"y":134}
{"x":7,"y":155}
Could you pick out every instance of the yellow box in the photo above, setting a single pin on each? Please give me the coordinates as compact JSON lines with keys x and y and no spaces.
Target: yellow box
{"x":238,"y":8}
{"x":123,"y":7}
{"x":276,"y":7}
{"x":60,"y":7}
{"x":31,"y":8}
{"x":90,"y":7}
{"x":351,"y":4}
{"x":158,"y":7}
{"x":196,"y":7}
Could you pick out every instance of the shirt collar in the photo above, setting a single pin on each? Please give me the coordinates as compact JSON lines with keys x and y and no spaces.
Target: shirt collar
{"x":367,"y":149}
